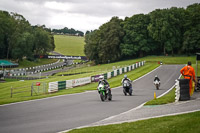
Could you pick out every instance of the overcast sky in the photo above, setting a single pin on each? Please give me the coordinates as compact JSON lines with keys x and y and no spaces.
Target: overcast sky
{"x":84,"y":14}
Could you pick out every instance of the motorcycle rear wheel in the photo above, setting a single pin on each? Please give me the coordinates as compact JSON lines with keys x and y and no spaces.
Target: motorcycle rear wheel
{"x":157,"y":87}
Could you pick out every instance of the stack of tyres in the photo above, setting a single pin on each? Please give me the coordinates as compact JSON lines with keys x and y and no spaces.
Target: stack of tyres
{"x":198,"y":83}
{"x":184,"y":89}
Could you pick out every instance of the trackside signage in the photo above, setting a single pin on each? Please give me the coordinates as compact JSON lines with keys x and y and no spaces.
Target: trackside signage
{"x":61,"y":57}
{"x":95,"y":78}
{"x":81,"y":81}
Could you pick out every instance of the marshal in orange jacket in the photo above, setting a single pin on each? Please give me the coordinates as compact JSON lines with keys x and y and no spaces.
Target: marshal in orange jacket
{"x":188,"y":73}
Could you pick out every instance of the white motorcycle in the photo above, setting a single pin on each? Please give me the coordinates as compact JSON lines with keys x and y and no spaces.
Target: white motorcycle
{"x":157,"y":84}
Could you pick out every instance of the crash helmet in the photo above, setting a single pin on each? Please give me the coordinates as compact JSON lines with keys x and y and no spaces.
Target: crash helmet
{"x":156,"y":76}
{"x":125,"y":76}
{"x":101,"y":78}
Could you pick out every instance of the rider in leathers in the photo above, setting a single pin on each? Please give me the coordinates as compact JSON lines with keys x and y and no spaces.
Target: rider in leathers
{"x":102,"y":80}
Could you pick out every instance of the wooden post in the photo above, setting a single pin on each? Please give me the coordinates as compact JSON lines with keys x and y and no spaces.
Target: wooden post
{"x":11,"y":92}
{"x":32,"y":89}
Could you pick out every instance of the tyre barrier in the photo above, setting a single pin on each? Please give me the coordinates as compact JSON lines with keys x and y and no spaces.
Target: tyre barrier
{"x":184,"y":89}
{"x":177,"y":91}
{"x":59,"y":85}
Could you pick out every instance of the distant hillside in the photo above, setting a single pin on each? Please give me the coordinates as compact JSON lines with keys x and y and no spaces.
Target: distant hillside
{"x":69,"y":45}
{"x":66,"y":31}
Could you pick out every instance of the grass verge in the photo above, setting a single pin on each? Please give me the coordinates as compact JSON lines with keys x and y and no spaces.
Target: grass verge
{"x":184,"y":123}
{"x":168,"y":98}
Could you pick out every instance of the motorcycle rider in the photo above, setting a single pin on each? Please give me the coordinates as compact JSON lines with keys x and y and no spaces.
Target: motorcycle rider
{"x":156,"y":78}
{"x":102,"y":80}
{"x":126,"y":78}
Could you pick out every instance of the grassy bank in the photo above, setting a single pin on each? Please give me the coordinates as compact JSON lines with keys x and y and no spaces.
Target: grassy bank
{"x":168,"y":98}
{"x":69,"y":45}
{"x":184,"y":123}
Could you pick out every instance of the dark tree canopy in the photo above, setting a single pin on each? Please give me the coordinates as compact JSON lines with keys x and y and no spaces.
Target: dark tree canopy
{"x":68,"y":31}
{"x":18,"y":39}
{"x":160,"y":32}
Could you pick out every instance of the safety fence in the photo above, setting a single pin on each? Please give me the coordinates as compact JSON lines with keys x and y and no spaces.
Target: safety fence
{"x":37,"y":88}
{"x":59,"y":85}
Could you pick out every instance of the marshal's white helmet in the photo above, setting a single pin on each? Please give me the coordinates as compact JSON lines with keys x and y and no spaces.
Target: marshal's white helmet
{"x":101,"y":77}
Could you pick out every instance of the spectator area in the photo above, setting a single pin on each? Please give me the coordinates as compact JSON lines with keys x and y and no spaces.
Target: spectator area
{"x":7,"y":64}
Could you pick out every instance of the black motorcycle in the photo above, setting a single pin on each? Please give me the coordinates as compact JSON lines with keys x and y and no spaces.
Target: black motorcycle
{"x":127,"y":87}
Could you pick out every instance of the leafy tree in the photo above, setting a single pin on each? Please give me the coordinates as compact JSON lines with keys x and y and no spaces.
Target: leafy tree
{"x":191,"y":41}
{"x":158,"y":27}
{"x":6,"y":30}
{"x":71,"y":31}
{"x":23,"y":46}
{"x":91,"y":45}
{"x":111,"y":35}
{"x":136,"y":40}
{"x":42,"y":41}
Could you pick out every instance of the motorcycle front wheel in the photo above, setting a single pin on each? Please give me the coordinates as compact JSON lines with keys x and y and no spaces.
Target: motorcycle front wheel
{"x":130,"y":92}
{"x":102,"y":96}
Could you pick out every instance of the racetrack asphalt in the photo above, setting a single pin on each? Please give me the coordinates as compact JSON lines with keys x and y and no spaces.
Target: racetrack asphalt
{"x":70,"y":111}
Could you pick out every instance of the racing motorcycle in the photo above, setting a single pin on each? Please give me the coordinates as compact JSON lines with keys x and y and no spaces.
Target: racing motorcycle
{"x":104,"y":92}
{"x":157,"y":84}
{"x":127,"y":87}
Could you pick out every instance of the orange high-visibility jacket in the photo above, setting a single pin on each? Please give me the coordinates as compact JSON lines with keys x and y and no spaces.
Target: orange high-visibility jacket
{"x":188,"y":72}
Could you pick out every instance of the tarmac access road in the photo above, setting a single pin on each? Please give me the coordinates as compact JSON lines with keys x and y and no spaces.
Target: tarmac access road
{"x":70,"y":111}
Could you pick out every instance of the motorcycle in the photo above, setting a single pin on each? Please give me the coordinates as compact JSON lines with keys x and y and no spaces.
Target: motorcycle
{"x":157,"y":84}
{"x":127,"y":87}
{"x":104,"y":92}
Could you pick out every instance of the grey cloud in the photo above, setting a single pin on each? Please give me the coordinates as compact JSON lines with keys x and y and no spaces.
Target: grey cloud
{"x":36,"y":12}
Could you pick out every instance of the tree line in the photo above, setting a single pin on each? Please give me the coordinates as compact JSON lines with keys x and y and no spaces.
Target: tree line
{"x":67,"y":31}
{"x":160,"y":32}
{"x":18,"y":39}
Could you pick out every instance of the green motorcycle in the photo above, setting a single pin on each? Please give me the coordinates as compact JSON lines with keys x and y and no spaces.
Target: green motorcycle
{"x":104,"y":93}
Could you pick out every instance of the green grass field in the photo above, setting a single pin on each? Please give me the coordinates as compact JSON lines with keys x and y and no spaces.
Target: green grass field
{"x":184,"y":123}
{"x":69,"y":45}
